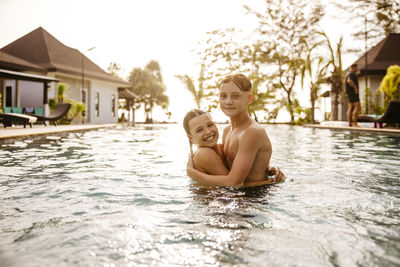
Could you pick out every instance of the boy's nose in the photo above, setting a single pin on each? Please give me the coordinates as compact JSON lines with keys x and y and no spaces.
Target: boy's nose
{"x":229,"y":99}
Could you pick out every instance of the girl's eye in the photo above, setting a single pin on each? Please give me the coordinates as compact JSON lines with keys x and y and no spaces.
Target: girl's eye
{"x":235,"y":96}
{"x":198,"y":130}
{"x":222,"y":96}
{"x":210,"y":124}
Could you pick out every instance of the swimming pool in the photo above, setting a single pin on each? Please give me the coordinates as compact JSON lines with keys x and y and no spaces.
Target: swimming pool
{"x":120,"y":196}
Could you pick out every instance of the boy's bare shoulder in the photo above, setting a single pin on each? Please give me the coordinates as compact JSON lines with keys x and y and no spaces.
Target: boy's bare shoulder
{"x":256,"y":130}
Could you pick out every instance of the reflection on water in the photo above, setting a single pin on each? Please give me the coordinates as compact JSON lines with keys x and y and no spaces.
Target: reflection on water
{"x":121,"y":196}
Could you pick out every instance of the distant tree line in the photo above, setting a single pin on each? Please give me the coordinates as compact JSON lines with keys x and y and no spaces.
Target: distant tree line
{"x":287,"y":49}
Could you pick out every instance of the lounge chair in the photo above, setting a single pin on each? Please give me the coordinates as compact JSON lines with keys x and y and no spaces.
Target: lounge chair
{"x":391,"y":115}
{"x":8,"y":119}
{"x":60,"y":111}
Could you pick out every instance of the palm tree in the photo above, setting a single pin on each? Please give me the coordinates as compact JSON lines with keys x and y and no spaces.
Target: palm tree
{"x":337,"y":75}
{"x":315,"y":68}
{"x":198,"y":94}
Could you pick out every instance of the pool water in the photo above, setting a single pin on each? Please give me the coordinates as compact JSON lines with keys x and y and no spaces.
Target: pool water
{"x":121,"y":197}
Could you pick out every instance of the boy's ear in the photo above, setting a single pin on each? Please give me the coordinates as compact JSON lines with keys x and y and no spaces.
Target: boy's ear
{"x":251,"y":97}
{"x":190,"y":138}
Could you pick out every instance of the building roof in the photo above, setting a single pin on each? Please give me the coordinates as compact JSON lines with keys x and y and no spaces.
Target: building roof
{"x":124,"y":93}
{"x":16,"y":64}
{"x":25,"y":76}
{"x":43,"y":49}
{"x":381,"y":56}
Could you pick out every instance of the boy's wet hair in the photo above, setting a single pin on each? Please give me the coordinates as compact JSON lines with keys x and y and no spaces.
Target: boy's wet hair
{"x":240,"y":80}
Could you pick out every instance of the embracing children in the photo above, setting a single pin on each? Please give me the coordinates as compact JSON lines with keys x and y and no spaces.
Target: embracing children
{"x":244,"y":155}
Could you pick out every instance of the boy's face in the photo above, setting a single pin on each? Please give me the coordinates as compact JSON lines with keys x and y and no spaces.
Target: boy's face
{"x":232,"y":100}
{"x":203,"y":131}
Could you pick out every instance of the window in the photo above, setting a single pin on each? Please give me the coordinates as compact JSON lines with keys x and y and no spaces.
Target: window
{"x":97,"y":104}
{"x":113,"y":105}
{"x":9,"y":96}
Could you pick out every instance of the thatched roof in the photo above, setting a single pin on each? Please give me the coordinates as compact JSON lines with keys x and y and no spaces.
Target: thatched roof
{"x":41,"y":48}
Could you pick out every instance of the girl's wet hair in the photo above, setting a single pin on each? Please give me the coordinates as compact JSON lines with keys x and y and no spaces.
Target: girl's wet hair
{"x":240,"y":80}
{"x":188,"y":117}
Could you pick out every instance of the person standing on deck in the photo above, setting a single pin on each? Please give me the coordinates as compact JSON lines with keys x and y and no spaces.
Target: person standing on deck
{"x":352,"y":92}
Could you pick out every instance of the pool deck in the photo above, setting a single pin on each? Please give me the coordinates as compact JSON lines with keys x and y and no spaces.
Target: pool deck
{"x":20,"y":131}
{"x":357,"y":129}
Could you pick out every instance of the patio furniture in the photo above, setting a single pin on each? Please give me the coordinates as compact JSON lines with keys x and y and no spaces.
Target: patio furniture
{"x":8,"y":119}
{"x":7,"y":109}
{"x":391,"y":115}
{"x":60,"y":111}
{"x":28,"y":110}
{"x":39,"y":111}
{"x":17,"y":110}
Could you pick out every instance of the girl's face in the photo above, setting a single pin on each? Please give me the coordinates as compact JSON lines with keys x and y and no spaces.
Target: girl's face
{"x":203,"y":131}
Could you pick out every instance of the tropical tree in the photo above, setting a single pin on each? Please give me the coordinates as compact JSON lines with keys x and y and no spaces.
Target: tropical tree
{"x":114,"y":69}
{"x":227,"y":51}
{"x":379,"y":17}
{"x":314,"y":68}
{"x":147,"y":85}
{"x":337,"y":75}
{"x":265,"y":99}
{"x":198,"y":93}
{"x":154,"y":67}
{"x":390,"y":84}
{"x":284,"y":26}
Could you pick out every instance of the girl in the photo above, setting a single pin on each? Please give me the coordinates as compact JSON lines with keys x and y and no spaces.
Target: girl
{"x":203,"y":132}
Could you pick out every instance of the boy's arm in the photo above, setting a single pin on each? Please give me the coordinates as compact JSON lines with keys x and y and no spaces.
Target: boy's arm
{"x":241,"y":166}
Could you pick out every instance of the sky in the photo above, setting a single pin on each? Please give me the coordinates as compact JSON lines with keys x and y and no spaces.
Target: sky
{"x":133,"y":32}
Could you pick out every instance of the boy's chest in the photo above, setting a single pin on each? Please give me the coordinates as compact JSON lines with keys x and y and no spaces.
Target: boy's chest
{"x":231,"y":147}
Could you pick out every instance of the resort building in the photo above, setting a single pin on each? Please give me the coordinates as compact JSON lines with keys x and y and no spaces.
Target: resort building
{"x":30,"y":66}
{"x":379,"y":58}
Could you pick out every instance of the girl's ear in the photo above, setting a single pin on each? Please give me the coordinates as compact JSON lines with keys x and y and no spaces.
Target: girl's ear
{"x":190,"y":138}
{"x":251,"y":97}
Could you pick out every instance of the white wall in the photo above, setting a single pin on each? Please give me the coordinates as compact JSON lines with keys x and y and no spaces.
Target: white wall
{"x":31,"y":94}
{"x":106,"y":91}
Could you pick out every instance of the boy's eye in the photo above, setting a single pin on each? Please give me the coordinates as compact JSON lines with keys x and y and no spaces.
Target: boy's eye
{"x":198,"y":130}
